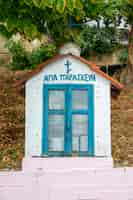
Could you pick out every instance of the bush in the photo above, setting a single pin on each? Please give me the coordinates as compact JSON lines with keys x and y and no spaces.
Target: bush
{"x":123,"y":57}
{"x":22,"y":59}
{"x":98,"y":41}
{"x":42,"y":53}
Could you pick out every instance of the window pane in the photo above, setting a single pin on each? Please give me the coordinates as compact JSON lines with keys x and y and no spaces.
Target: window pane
{"x":56,"y":99}
{"x":56,"y":132}
{"x":80,"y":99}
{"x":80,"y":133}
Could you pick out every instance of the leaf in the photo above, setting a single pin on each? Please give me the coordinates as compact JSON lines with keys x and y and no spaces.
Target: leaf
{"x":30,"y":30}
{"x":11,"y":24}
{"x":79,"y":5}
{"x":37,"y":3}
{"x":47,"y":3}
{"x":28,"y":2}
{"x":80,"y":15}
{"x":71,"y":5}
{"x":60,"y":5}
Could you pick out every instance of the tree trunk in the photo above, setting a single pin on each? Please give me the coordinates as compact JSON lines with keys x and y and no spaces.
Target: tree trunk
{"x":129,"y":77}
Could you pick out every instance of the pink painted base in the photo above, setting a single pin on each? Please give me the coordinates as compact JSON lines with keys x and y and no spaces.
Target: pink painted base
{"x":67,"y":179}
{"x":66,"y":163}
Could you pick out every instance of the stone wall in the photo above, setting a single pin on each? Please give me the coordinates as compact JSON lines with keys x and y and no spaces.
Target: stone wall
{"x":4,"y":54}
{"x":109,"y":59}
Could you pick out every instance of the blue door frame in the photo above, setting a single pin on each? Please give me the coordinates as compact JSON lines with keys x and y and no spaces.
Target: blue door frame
{"x":68,"y":88}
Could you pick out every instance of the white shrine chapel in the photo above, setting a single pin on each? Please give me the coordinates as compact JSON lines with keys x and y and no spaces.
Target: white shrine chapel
{"x":68,"y":153}
{"x":68,"y":108}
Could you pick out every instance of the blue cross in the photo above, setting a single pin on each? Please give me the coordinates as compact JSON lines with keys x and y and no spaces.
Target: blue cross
{"x":68,"y":64}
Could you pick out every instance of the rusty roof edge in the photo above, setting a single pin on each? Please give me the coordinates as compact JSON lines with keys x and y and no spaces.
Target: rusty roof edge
{"x":92,"y":66}
{"x":95,"y":68}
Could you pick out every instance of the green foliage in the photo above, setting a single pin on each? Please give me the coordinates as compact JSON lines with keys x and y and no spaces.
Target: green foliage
{"x":33,"y":17}
{"x":125,"y":8}
{"x":95,"y":41}
{"x":42,"y":53}
{"x":60,"y":6}
{"x":4,"y":32}
{"x":21,"y":59}
{"x":24,"y":26}
{"x":123,"y":57}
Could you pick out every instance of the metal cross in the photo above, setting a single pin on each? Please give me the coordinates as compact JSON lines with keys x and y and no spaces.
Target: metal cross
{"x":68,"y":64}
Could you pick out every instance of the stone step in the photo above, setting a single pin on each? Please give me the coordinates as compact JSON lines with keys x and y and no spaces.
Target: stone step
{"x":65,"y":163}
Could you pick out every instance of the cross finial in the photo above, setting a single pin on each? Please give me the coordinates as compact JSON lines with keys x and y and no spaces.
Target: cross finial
{"x":68,"y":64}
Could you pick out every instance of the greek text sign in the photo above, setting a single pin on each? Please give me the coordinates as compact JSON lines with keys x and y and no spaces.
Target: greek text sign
{"x":69,"y":75}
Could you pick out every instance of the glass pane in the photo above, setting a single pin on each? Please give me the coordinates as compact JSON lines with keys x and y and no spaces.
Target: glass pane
{"x":80,"y":133}
{"x":56,"y":132}
{"x":80,"y":99}
{"x":56,"y":99}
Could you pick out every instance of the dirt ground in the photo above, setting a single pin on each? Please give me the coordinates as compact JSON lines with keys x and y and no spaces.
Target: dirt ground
{"x":11,"y":120}
{"x":122,"y":128}
{"x":12,"y":123}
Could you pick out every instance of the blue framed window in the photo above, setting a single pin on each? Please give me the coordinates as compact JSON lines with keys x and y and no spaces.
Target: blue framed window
{"x":68,"y":120}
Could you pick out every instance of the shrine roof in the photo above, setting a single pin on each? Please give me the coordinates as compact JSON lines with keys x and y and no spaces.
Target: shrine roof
{"x":116,"y":84}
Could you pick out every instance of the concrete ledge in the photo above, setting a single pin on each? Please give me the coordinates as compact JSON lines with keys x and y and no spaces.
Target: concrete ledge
{"x":66,"y":163}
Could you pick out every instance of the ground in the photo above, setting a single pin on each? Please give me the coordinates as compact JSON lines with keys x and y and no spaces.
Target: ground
{"x":122,"y":128}
{"x":12,"y":123}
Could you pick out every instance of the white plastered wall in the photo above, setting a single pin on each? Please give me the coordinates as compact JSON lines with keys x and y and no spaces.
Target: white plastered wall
{"x":34,"y":107}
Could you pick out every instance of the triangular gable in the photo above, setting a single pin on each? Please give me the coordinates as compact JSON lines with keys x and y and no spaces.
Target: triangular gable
{"x":91,"y":65}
